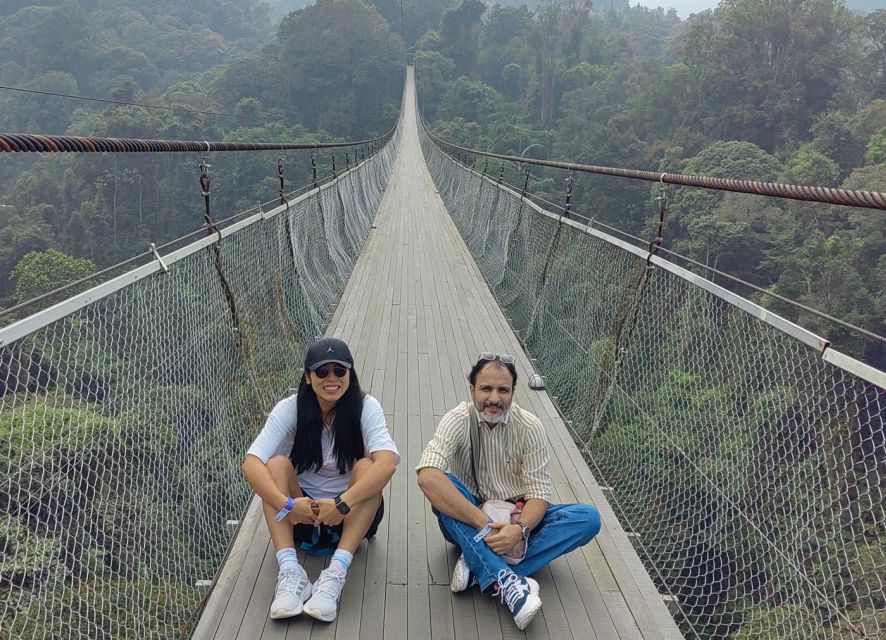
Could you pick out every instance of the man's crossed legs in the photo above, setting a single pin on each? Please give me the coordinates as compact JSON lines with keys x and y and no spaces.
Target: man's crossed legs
{"x":564,"y":527}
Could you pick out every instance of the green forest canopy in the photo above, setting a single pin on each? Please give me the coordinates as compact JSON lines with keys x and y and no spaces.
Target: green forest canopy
{"x":757,"y":89}
{"x":782,"y":90}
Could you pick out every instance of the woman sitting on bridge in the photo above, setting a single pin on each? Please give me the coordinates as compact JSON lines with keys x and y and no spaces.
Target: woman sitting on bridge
{"x":319,"y":465}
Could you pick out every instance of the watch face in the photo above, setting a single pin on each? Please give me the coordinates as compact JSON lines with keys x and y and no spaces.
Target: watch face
{"x":342,"y":506}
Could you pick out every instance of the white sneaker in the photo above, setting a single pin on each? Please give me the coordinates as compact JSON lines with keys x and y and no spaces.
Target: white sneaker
{"x":293,"y":588}
{"x":462,"y":578}
{"x":323,"y":605}
{"x":520,"y":595}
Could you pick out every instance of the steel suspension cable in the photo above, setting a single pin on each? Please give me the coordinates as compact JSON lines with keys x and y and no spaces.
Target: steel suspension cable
{"x":34,"y":143}
{"x":826,"y":195}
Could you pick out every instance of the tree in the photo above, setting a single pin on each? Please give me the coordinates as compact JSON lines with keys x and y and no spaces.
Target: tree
{"x":807,"y":166}
{"x":470,"y":99}
{"x":769,"y":66}
{"x":877,"y":148}
{"x":40,"y":272}
{"x":433,"y":73}
{"x":339,"y":64}
{"x":697,"y":219}
{"x":875,"y":30}
{"x":460,"y":32}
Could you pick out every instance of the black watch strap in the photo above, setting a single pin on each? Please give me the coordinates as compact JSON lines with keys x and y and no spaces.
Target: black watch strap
{"x":341,"y":505}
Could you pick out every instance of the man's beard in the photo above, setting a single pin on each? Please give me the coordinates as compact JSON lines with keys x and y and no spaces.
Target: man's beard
{"x":492,"y":418}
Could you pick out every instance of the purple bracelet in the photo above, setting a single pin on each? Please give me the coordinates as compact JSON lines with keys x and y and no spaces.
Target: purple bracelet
{"x":285,"y":510}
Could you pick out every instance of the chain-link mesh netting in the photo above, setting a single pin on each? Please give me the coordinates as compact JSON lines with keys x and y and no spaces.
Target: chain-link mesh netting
{"x":123,"y":425}
{"x":750,"y":470}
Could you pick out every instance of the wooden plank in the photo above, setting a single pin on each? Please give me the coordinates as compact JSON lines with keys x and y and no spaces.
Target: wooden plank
{"x":395,"y":611}
{"x":259,"y":606}
{"x":351,"y":610}
{"x":218,"y":600}
{"x":242,"y":593}
{"x":441,"y":622}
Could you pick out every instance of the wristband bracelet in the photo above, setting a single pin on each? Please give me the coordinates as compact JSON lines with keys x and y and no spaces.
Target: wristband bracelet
{"x":483,"y":532}
{"x":285,"y":510}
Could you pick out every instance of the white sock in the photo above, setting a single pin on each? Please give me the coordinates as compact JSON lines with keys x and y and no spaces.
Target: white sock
{"x":341,"y":560}
{"x":287,"y":560}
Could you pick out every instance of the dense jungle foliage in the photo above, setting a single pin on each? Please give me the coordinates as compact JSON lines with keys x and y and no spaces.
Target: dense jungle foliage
{"x":330,"y":71}
{"x":779,"y":90}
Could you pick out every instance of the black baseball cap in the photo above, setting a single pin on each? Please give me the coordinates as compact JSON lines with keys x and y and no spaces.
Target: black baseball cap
{"x":327,"y":350}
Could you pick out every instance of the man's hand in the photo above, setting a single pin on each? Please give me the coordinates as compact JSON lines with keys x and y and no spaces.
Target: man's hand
{"x":503,"y":537}
{"x":301,"y":512}
{"x":329,"y":513}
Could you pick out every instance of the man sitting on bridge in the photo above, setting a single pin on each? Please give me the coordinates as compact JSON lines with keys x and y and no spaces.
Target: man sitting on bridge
{"x":491,"y":449}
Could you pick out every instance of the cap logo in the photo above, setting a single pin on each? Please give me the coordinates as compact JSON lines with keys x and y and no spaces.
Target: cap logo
{"x":330,"y":350}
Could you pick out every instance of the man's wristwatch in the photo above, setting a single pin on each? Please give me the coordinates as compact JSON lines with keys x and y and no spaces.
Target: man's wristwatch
{"x":524,"y":528}
{"x":342,"y":506}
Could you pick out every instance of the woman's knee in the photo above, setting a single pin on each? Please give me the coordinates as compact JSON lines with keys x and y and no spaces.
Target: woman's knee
{"x":281,"y":468}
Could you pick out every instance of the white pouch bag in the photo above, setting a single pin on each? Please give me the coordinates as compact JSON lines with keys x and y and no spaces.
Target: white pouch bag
{"x":504,"y":511}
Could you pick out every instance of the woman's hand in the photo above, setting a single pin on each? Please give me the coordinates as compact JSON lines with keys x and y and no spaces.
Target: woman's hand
{"x":329,"y":513}
{"x":503,"y":537}
{"x":302,"y":513}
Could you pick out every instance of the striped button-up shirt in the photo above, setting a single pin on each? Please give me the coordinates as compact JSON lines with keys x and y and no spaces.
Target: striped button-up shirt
{"x":512,"y":461}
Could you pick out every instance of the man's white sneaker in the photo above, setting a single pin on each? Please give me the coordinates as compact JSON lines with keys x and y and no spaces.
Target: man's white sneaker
{"x":520,"y":595}
{"x":462,"y":578}
{"x":323,"y":605}
{"x":293,"y":588}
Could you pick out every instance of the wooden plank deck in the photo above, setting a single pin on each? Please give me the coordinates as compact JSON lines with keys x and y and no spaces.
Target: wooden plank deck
{"x":416,"y":312}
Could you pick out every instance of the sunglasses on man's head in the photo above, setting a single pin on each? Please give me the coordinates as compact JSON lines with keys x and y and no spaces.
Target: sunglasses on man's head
{"x":503,"y":357}
{"x":338,"y":370}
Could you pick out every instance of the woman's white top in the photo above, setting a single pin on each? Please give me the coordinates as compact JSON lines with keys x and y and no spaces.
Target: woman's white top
{"x":278,"y":436}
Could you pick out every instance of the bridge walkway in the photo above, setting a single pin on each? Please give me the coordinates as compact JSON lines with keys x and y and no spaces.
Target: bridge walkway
{"x":416,"y":313}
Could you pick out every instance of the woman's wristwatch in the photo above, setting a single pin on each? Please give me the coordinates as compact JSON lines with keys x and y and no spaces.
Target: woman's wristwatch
{"x":342,"y":506}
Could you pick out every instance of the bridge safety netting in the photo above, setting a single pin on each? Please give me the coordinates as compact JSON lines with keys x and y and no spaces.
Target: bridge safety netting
{"x":125,"y":412}
{"x":746,"y":460}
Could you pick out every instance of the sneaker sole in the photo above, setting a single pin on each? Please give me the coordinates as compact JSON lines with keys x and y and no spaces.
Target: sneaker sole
{"x":530,"y":616}
{"x":318,"y":616}
{"x":280,"y":614}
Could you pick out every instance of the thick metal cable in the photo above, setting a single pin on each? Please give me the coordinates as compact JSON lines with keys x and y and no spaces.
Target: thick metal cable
{"x":827,"y":195}
{"x":25,"y":142}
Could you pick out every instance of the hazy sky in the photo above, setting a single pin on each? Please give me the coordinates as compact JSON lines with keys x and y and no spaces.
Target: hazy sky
{"x":683,"y":7}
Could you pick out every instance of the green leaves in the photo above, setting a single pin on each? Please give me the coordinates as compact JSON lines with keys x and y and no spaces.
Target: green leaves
{"x":40,"y":272}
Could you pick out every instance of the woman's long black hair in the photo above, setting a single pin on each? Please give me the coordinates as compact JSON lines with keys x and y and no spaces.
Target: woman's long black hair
{"x":307,"y":453}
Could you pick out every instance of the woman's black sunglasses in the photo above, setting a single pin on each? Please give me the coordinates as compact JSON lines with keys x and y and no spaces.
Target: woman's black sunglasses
{"x":338,"y":370}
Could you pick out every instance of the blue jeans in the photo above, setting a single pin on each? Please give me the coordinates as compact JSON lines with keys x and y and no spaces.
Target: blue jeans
{"x":565,"y":527}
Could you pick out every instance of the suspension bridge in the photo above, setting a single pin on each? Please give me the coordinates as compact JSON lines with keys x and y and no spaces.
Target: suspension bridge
{"x":737,"y":460}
